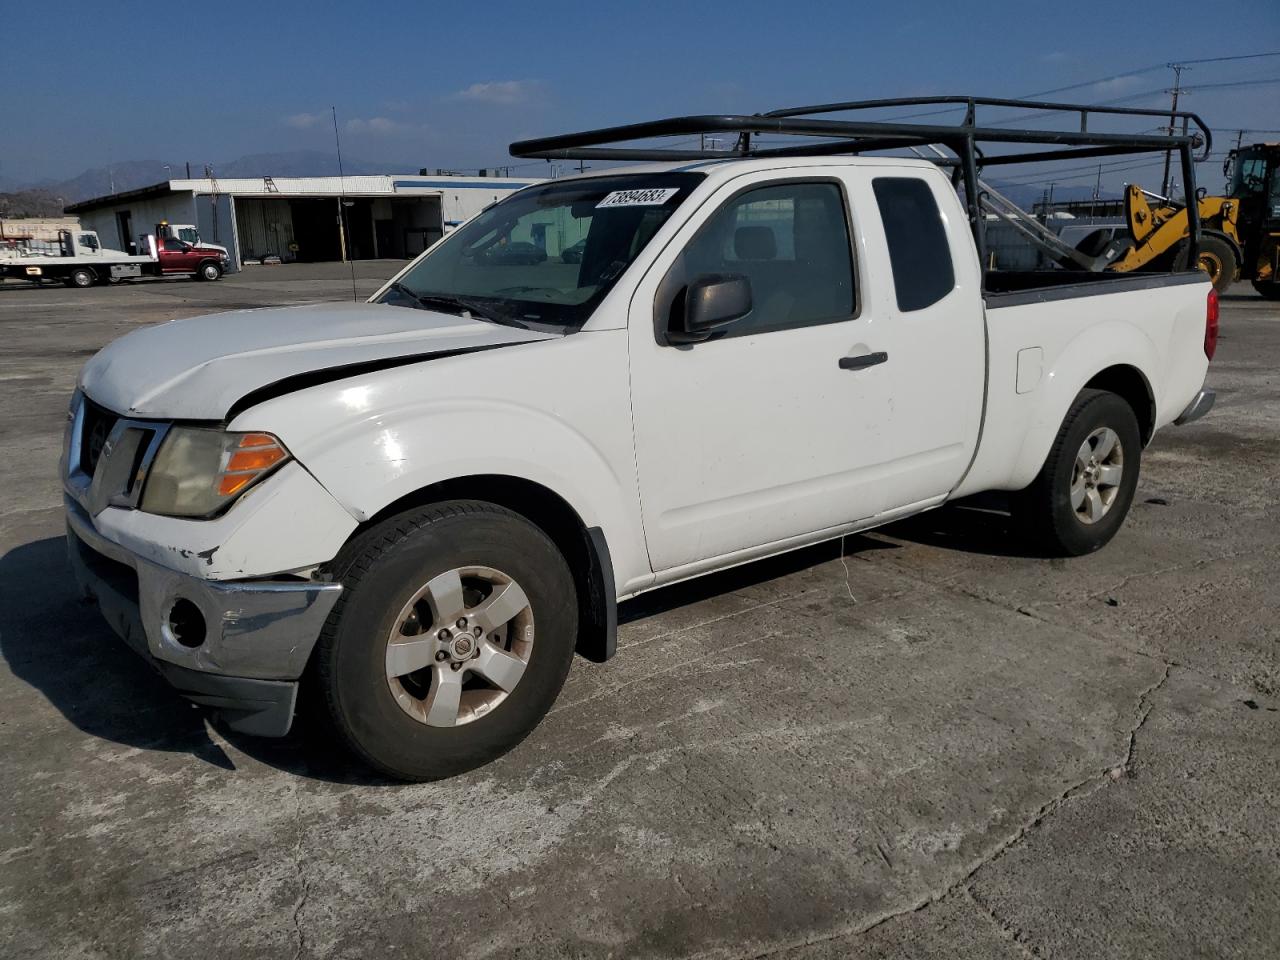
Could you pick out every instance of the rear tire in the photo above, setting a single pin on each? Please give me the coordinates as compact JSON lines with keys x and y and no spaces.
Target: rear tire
{"x":1083,"y":492}
{"x":1217,"y":258}
{"x":395,"y":645}
{"x":1270,"y":291}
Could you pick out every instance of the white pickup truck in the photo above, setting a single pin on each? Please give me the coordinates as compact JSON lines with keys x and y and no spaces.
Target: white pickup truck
{"x":418,"y":507}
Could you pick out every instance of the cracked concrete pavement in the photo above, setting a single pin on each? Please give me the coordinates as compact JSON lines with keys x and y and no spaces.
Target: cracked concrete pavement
{"x":917,"y":743}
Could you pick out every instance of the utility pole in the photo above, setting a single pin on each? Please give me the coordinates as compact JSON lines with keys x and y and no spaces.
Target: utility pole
{"x":1097,"y":189}
{"x":1177,"y":69}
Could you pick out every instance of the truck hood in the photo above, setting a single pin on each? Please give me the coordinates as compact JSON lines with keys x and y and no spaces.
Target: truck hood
{"x":199,"y":367}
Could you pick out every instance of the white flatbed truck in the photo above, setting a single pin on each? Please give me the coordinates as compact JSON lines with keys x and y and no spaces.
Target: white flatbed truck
{"x":78,"y":259}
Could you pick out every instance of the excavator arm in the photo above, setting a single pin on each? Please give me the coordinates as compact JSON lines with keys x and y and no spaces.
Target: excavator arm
{"x":1157,"y":231}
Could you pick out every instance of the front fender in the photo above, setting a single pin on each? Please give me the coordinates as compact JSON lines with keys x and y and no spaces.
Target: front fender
{"x":555,"y":413}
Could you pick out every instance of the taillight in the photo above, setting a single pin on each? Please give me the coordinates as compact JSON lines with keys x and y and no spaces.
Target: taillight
{"x":1211,"y":324}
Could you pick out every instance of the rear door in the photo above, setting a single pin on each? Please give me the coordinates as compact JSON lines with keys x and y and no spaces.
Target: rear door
{"x":923,"y":307}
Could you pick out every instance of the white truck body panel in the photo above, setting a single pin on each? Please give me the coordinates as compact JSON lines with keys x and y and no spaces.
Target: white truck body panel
{"x":1148,"y":330}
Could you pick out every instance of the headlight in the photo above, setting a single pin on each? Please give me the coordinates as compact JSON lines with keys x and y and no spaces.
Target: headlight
{"x":199,"y":471}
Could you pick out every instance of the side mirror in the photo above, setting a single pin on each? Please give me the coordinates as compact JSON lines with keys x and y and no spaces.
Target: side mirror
{"x":711,"y":301}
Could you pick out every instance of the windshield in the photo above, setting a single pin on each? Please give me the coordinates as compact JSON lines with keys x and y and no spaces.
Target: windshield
{"x":546,"y":256}
{"x":188,"y":235}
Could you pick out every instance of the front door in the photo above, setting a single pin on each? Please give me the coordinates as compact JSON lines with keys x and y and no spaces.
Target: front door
{"x":178,"y":257}
{"x":753,"y":437}
{"x":854,"y":387}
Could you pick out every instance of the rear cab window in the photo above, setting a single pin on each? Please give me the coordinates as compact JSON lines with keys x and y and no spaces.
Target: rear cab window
{"x":919,"y":254}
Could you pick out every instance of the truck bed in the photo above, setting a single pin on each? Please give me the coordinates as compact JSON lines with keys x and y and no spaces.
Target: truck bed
{"x":1003,"y":288}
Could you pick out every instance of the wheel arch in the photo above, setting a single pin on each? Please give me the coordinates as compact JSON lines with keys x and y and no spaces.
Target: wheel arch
{"x":1129,"y":383}
{"x":585,"y":549}
{"x":1230,"y":241}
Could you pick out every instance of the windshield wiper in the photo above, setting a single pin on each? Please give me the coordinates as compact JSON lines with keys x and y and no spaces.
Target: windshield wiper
{"x":450,"y":302}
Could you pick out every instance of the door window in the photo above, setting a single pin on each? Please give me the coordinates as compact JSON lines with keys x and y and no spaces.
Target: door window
{"x":919,"y":254}
{"x":791,"y":241}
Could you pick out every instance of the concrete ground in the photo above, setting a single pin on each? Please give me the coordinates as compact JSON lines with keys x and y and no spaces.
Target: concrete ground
{"x":922,"y":745}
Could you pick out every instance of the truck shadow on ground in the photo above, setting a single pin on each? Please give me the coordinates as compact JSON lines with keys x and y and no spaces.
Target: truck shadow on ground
{"x":981,"y":524}
{"x":62,"y":648}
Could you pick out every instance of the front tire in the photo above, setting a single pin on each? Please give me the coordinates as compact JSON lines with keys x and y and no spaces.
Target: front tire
{"x":1083,"y":492}
{"x":451,"y":641}
{"x":209,"y":271}
{"x":81,"y":277}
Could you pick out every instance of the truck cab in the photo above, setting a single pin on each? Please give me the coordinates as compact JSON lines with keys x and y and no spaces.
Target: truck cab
{"x":84,"y":244}
{"x":1254,"y":182}
{"x":187,"y":233}
{"x":177,"y":255}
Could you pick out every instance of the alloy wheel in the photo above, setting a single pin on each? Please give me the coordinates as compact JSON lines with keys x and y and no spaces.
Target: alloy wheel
{"x":459,"y":646}
{"x":1096,"y":475}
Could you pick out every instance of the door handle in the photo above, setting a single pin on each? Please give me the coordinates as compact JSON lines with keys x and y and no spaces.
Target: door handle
{"x":862,"y":362}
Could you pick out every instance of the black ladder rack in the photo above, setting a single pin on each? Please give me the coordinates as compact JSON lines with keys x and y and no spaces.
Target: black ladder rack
{"x":817,"y":135}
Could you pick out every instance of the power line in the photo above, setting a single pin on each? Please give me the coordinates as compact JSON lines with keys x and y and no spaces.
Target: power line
{"x":1242,"y":56}
{"x":1230,"y":83}
{"x":1068,"y":173}
{"x":1093,"y":83}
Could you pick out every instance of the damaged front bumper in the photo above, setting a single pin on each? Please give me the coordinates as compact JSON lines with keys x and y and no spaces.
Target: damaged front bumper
{"x":237,"y":646}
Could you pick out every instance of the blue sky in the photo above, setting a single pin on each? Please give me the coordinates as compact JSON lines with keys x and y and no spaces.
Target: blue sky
{"x":449,"y":85}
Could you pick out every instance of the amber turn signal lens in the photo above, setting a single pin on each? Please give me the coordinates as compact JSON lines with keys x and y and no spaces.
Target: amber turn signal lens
{"x":258,"y":440}
{"x":231,"y":484}
{"x":258,"y":459}
{"x":251,"y":457}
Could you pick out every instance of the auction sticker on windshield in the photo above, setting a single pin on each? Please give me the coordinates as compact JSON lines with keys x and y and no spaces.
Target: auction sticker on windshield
{"x":652,"y":197}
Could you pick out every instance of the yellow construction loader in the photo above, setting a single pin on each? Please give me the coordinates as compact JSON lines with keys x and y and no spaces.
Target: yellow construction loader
{"x":1240,"y":232}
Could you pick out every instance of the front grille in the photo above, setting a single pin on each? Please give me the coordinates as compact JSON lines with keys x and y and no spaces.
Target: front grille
{"x":98,"y":423}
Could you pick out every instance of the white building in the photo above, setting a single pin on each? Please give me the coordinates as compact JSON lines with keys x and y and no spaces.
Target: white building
{"x":297,"y":218}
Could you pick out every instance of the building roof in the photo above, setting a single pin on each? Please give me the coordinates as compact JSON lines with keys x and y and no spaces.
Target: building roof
{"x":389,"y":185}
